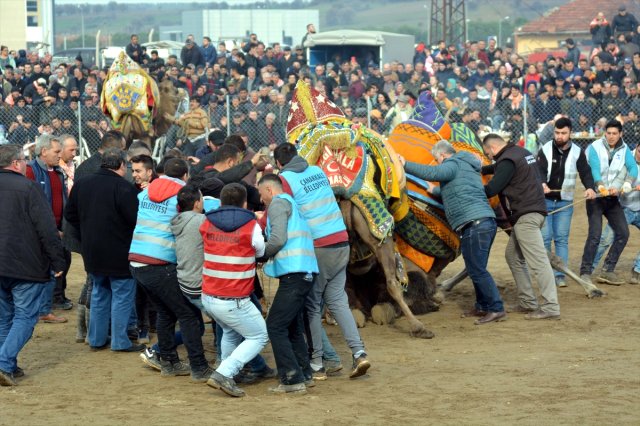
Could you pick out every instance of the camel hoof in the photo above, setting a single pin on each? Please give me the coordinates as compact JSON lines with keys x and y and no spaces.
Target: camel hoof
{"x":383,"y":313}
{"x":438,"y":297}
{"x":358,"y":317}
{"x":596,"y":293}
{"x":422,"y":333}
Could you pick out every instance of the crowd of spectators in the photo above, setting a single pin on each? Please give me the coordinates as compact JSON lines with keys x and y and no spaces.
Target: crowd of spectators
{"x":248,"y":89}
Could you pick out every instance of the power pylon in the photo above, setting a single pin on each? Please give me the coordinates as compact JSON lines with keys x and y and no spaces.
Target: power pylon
{"x":448,"y":21}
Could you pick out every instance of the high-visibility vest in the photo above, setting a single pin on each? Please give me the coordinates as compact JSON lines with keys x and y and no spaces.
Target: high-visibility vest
{"x":229,"y":260}
{"x":297,"y":255}
{"x":316,"y":201}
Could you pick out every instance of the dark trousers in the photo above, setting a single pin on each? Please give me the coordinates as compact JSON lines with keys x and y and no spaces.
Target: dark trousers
{"x":611,"y":209}
{"x":285,"y":326}
{"x":161,"y":285}
{"x":59,"y":295}
{"x":144,"y":310}
{"x":475,"y":244}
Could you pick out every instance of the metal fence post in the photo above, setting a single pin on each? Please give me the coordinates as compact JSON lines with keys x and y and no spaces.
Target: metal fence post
{"x":524,"y":119}
{"x":80,"y":141}
{"x":227,"y":99}
{"x":368,"y":112}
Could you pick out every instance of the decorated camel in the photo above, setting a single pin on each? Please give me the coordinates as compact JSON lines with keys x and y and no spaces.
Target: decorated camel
{"x":134,"y":103}
{"x":396,"y":226}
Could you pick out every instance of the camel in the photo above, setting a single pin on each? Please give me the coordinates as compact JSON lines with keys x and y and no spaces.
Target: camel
{"x":393,"y":268}
{"x":135,"y":105}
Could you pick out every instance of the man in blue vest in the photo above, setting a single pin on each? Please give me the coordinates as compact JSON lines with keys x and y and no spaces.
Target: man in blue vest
{"x":614,"y":170}
{"x":153,"y":259}
{"x":292,"y":260}
{"x":470,"y":215}
{"x":311,"y":190}
{"x":559,"y":163}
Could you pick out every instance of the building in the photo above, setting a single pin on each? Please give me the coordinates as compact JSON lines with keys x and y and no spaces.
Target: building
{"x":27,"y":23}
{"x":286,"y":26}
{"x":571,"y":20}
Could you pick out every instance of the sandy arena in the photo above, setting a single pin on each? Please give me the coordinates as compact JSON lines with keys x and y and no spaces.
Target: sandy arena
{"x":584,"y":369}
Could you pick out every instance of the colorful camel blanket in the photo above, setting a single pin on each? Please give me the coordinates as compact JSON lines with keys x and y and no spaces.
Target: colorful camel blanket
{"x":128,"y":90}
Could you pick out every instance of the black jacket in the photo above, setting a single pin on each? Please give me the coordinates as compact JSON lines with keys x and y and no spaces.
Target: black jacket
{"x":104,"y":208}
{"x":30,"y":247}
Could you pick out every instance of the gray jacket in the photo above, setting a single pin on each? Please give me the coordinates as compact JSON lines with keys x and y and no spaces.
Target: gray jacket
{"x":189,"y":251}
{"x":460,"y":186}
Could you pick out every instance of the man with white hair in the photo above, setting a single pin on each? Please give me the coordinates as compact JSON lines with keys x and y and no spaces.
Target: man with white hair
{"x":67,"y":155}
{"x":470,"y":215}
{"x":48,"y":176}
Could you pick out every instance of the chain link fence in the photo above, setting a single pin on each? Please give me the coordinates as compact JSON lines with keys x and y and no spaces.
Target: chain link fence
{"x":523,"y":119}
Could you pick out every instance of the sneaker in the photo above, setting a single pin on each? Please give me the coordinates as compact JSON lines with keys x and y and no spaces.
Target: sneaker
{"x":132,"y":335}
{"x":178,"y":368}
{"x":143,"y":337}
{"x":540,"y":315}
{"x":320,"y":374}
{"x":202,"y":375}
{"x":560,"y":282}
{"x":18,"y":373}
{"x":67,"y":305}
{"x":151,"y":359}
{"x":225,"y":384}
{"x":245,"y":377}
{"x":610,"y":278}
{"x":266,"y":373}
{"x":635,"y":277}
{"x":332,"y":367}
{"x":298,"y":388}
{"x":52,"y":319}
{"x":310,"y":383}
{"x":7,"y":379}
{"x":360,"y":366}
{"x":135,"y":347}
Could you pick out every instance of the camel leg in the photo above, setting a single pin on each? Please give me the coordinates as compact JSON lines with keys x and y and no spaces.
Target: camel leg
{"x":387,"y":260}
{"x":448,"y":285}
{"x":591,"y":290}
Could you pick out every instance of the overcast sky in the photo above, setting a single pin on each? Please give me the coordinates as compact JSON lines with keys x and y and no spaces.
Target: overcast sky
{"x":231,"y":2}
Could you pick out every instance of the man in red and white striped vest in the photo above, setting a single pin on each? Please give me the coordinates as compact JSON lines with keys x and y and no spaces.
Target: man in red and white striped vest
{"x":232,"y":241}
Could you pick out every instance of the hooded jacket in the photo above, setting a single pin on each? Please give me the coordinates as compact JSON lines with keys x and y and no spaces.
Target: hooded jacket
{"x":153,"y":242}
{"x":232,"y":241}
{"x":189,"y":251}
{"x":461,"y":187}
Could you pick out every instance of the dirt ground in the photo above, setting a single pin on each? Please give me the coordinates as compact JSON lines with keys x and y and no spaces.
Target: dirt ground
{"x":584,"y":369}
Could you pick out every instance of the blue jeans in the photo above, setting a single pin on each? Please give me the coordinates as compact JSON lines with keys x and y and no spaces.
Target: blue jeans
{"x":258,"y":363}
{"x":46,"y":299}
{"x":556,"y":228}
{"x":633,"y":218}
{"x":244,"y":331}
{"x":112,"y":300}
{"x":475,"y":243}
{"x":19,"y":310}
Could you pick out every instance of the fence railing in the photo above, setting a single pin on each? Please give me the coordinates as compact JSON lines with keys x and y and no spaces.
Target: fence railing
{"x":526,"y":121}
